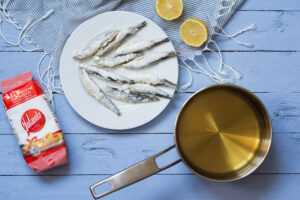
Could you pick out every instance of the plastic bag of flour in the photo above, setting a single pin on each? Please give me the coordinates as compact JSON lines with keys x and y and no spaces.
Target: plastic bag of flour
{"x":33,"y":122}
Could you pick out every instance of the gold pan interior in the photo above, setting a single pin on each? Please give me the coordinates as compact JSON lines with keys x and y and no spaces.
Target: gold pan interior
{"x":223,"y":133}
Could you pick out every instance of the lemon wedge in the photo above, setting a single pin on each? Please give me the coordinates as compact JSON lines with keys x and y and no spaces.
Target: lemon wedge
{"x":169,"y":9}
{"x":194,"y":32}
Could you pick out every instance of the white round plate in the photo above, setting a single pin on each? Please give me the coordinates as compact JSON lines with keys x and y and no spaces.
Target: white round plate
{"x":133,"y":115}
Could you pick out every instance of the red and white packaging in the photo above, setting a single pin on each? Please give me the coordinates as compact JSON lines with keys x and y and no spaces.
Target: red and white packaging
{"x":33,"y":122}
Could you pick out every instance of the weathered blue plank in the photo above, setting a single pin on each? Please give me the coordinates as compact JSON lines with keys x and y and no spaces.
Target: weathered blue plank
{"x":15,"y":63}
{"x":271,"y":5}
{"x":284,"y":109}
{"x":275,"y":31}
{"x":108,"y":154}
{"x":262,"y":71}
{"x":159,"y":187}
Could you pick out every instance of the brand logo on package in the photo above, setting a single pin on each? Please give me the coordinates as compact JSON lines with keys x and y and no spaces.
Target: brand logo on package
{"x":33,"y":121}
{"x":51,"y":162}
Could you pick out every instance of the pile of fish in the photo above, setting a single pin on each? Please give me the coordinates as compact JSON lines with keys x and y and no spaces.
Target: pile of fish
{"x":134,"y":89}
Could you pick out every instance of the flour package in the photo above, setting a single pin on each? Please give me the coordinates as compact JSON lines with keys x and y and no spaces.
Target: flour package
{"x":34,"y":124}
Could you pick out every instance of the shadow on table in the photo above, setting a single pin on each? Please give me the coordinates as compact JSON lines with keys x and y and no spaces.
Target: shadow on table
{"x":56,"y":173}
{"x":256,"y":186}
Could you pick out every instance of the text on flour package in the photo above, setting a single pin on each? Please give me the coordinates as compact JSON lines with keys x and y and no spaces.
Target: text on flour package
{"x":33,"y":122}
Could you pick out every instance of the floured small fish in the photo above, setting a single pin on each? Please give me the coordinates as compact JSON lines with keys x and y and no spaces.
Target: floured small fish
{"x":112,"y":61}
{"x":128,"y":96}
{"x":121,"y":36}
{"x":96,"y":92}
{"x":149,"y":59}
{"x":96,"y":43}
{"x":139,"y":46}
{"x":145,"y":89}
{"x":104,"y":74}
{"x":151,"y":79}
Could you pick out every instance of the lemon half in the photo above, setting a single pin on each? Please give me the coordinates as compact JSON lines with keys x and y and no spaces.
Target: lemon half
{"x":169,"y":9}
{"x":194,"y":32}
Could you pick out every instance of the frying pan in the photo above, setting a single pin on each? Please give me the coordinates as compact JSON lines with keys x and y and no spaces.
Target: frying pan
{"x":149,"y":166}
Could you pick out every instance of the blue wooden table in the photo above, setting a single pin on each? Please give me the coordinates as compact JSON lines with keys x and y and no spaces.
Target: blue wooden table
{"x":271,"y":69}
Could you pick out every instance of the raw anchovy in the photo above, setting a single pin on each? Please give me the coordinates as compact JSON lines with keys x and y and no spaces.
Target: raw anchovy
{"x":139,"y":46}
{"x":121,"y":36}
{"x":96,"y":43}
{"x":97,"y":93}
{"x":146,"y":89}
{"x":112,"y":61}
{"x":151,"y":80}
{"x":128,"y":96}
{"x":150,"y":59}
{"x":104,"y":74}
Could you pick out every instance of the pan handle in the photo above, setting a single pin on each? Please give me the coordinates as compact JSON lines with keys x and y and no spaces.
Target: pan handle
{"x":133,"y":174}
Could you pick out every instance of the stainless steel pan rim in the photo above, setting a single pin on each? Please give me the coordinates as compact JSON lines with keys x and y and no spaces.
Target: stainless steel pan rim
{"x":266,"y":118}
